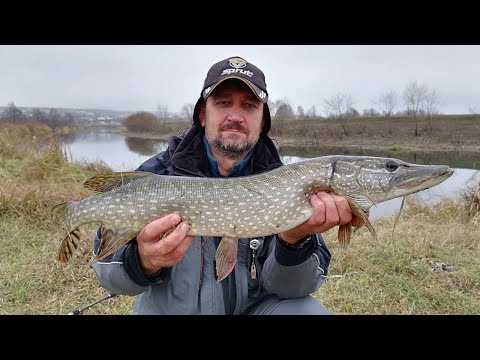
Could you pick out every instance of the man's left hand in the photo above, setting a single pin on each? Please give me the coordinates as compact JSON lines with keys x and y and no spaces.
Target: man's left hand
{"x":329,"y":210}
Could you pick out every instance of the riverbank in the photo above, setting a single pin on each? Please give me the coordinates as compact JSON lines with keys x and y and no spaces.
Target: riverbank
{"x":449,"y":139}
{"x":452,"y":133}
{"x":429,"y":266}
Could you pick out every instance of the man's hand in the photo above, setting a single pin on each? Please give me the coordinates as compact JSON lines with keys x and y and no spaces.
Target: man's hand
{"x":156,"y":249}
{"x":329,"y":210}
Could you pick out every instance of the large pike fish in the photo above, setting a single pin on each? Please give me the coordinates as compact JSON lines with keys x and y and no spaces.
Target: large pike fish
{"x":241,"y":207}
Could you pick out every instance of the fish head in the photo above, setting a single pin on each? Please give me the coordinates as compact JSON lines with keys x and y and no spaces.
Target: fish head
{"x":373,"y":180}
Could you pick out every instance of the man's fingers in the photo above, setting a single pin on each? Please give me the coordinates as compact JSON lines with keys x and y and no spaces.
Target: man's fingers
{"x":318,"y":215}
{"x":180,"y":250}
{"x":331,"y":212}
{"x":157,"y":228}
{"x":343,"y":208}
{"x":174,"y":239}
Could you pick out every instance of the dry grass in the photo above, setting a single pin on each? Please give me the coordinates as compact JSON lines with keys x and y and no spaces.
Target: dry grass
{"x":471,"y":201}
{"x":431,"y":265}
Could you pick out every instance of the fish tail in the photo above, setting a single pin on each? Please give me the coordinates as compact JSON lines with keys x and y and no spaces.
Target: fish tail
{"x":226,"y":257}
{"x":70,"y":242}
{"x":68,"y":246}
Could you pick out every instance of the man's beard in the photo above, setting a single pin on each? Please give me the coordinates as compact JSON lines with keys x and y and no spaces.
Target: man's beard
{"x":230,"y":148}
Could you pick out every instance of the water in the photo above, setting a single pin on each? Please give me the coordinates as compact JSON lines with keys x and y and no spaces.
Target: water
{"x":125,"y":154}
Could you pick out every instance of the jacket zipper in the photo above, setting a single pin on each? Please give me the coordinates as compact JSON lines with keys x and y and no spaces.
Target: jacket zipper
{"x":254,"y":244}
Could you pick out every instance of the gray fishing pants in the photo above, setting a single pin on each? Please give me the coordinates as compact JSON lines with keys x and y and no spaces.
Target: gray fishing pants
{"x":273,"y":305}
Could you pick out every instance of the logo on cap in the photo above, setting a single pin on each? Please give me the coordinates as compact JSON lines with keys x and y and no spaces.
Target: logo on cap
{"x":237,"y":63}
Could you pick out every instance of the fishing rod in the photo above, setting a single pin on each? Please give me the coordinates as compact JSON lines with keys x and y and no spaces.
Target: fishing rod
{"x":82,"y":309}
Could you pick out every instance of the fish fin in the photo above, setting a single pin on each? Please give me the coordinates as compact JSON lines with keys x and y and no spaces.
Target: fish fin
{"x":70,"y":242}
{"x":106,"y":182}
{"x":68,"y":246}
{"x":363,"y":218}
{"x":344,"y":235}
{"x":62,"y":210}
{"x":362,"y":201}
{"x":112,"y":240}
{"x":226,"y":256}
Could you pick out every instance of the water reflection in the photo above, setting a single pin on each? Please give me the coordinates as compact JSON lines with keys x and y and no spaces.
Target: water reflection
{"x":90,"y":136}
{"x":143,"y":146}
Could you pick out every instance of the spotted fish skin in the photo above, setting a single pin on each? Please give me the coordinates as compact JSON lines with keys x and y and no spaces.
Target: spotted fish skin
{"x":240,"y":207}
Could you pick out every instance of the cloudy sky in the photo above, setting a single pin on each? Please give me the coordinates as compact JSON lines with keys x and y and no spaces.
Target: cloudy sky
{"x":141,"y":77}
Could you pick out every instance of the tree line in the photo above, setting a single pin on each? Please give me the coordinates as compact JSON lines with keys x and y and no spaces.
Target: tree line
{"x":51,"y":117}
{"x":415,"y":100}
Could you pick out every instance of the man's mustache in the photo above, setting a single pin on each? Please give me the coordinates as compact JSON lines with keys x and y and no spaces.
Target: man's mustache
{"x":234,"y":126}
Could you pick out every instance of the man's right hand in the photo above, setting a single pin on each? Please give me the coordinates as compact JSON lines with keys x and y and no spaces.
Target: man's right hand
{"x":157,"y":250}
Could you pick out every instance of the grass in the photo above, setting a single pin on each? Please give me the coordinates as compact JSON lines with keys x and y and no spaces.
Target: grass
{"x":401,"y":273}
{"x":394,"y":149}
{"x":443,"y":132}
{"x":431,"y":264}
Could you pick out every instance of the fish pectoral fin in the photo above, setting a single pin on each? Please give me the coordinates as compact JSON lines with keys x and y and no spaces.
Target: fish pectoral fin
{"x":362,"y":201}
{"x":112,"y":240}
{"x":361,"y":214}
{"x":226,"y":256}
{"x":344,"y":235}
{"x":68,"y":246}
{"x":106,"y":182}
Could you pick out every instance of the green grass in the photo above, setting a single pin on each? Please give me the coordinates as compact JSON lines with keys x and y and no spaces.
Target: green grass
{"x":394,"y":149}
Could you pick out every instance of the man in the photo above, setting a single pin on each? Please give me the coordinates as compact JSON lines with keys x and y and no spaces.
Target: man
{"x":172,"y":273}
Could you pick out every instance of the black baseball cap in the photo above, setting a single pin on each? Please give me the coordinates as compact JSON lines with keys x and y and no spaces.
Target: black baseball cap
{"x":235,"y":68}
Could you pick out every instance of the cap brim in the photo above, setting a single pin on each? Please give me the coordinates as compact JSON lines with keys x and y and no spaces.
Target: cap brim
{"x":259,"y":93}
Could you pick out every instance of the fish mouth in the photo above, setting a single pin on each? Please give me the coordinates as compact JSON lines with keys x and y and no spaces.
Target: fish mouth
{"x":425,"y":177}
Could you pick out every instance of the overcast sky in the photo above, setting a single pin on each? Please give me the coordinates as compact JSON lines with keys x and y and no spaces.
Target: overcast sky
{"x":140,"y":77}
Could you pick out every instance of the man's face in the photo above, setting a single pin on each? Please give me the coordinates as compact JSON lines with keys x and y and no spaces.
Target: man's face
{"x":232,"y":118}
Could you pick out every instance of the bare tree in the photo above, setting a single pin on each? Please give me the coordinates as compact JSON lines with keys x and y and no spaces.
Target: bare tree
{"x":162,"y":113}
{"x":187,"y":110}
{"x":472,"y":109}
{"x":387,"y":103}
{"x":272,"y":106}
{"x":338,"y":105}
{"x":371,"y":112}
{"x":414,"y":97}
{"x":431,"y":103}
{"x":280,"y":110}
{"x":68,"y":118}
{"x":311,"y":112}
{"x":39,"y":115}
{"x":431,"y":106}
{"x":300,"y":113}
{"x":54,"y":118}
{"x":352,"y":113}
{"x":12,"y":113}
{"x":284,"y":110}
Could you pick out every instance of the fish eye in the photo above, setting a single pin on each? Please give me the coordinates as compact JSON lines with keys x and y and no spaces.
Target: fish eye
{"x":391,"y":165}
